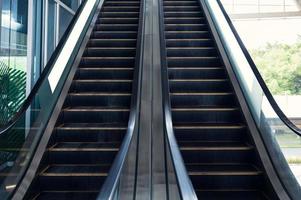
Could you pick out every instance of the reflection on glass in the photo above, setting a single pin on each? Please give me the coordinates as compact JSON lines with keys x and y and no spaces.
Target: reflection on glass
{"x":18,"y":143}
{"x":13,"y":60}
{"x":13,"y":71}
{"x":58,"y":18}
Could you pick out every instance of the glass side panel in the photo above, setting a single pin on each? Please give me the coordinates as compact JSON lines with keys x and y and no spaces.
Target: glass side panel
{"x":274,"y":42}
{"x":287,"y":144}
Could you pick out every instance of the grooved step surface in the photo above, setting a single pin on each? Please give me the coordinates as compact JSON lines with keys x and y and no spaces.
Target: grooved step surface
{"x":94,"y":117}
{"x":210,"y":129}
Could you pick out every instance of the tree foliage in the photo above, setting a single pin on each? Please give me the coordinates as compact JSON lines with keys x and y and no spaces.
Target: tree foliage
{"x":280,"y":67}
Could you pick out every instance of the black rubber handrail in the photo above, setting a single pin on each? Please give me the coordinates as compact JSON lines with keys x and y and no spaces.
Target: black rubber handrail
{"x":185,"y":186}
{"x":258,"y":76}
{"x":111,"y":182}
{"x":44,"y":73}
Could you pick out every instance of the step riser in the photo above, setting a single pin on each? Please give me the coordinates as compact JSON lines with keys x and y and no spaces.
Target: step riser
{"x":114,"y":35}
{"x":182,"y":14}
{"x":194,"y":62}
{"x":184,"y":21}
{"x":105,"y":74}
{"x":227,"y":182}
{"x":180,"y":3}
{"x":101,"y":101}
{"x":218,"y":156}
{"x":202,"y":100}
{"x":117,"y":21}
{"x":101,"y":87}
{"x":121,"y":9}
{"x":193,"y":52}
{"x":119,"y":14}
{"x":206,"y":117}
{"x":108,"y":62}
{"x":89,"y":135}
{"x":94,"y":117}
{"x":81,"y":157}
{"x":189,"y":43}
{"x":97,"y":66}
{"x":110,"y":52}
{"x":196,"y":74}
{"x":186,"y":28}
{"x":181,"y":35}
{"x":219,"y":86}
{"x":180,"y":8}
{"x":112,"y":43}
{"x":210,"y":134}
{"x":125,"y":4}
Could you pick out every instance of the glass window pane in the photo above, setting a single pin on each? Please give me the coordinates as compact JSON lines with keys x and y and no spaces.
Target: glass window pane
{"x":13,"y":57}
{"x":51,"y":28}
{"x":73,"y":4}
{"x":65,"y":18}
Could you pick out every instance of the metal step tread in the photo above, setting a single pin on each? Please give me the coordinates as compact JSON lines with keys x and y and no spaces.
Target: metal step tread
{"x":190,"y":48}
{"x":99,"y":94}
{"x":91,"y":126}
{"x":96,"y":109}
{"x":105,"y":58}
{"x":106,"y":69}
{"x":201,"y":93}
{"x":166,"y":24}
{"x":110,"y":48}
{"x":189,"y":108}
{"x":195,"y":68}
{"x":198,"y":80}
{"x":103,"y":81}
{"x":85,"y":146}
{"x":221,"y":126}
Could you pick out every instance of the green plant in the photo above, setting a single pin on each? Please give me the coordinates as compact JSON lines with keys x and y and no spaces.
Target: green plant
{"x":280,"y":66}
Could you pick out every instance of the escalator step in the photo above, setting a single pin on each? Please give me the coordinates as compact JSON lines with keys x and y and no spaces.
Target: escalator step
{"x":105,"y":73}
{"x":208,"y":123}
{"x":94,"y":117}
{"x":210,"y":132}
{"x":98,"y":99}
{"x":89,"y":133}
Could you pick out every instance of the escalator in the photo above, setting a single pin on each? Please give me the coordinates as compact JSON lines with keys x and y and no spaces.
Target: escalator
{"x":214,"y":139}
{"x":94,"y":118}
{"x":83,"y":133}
